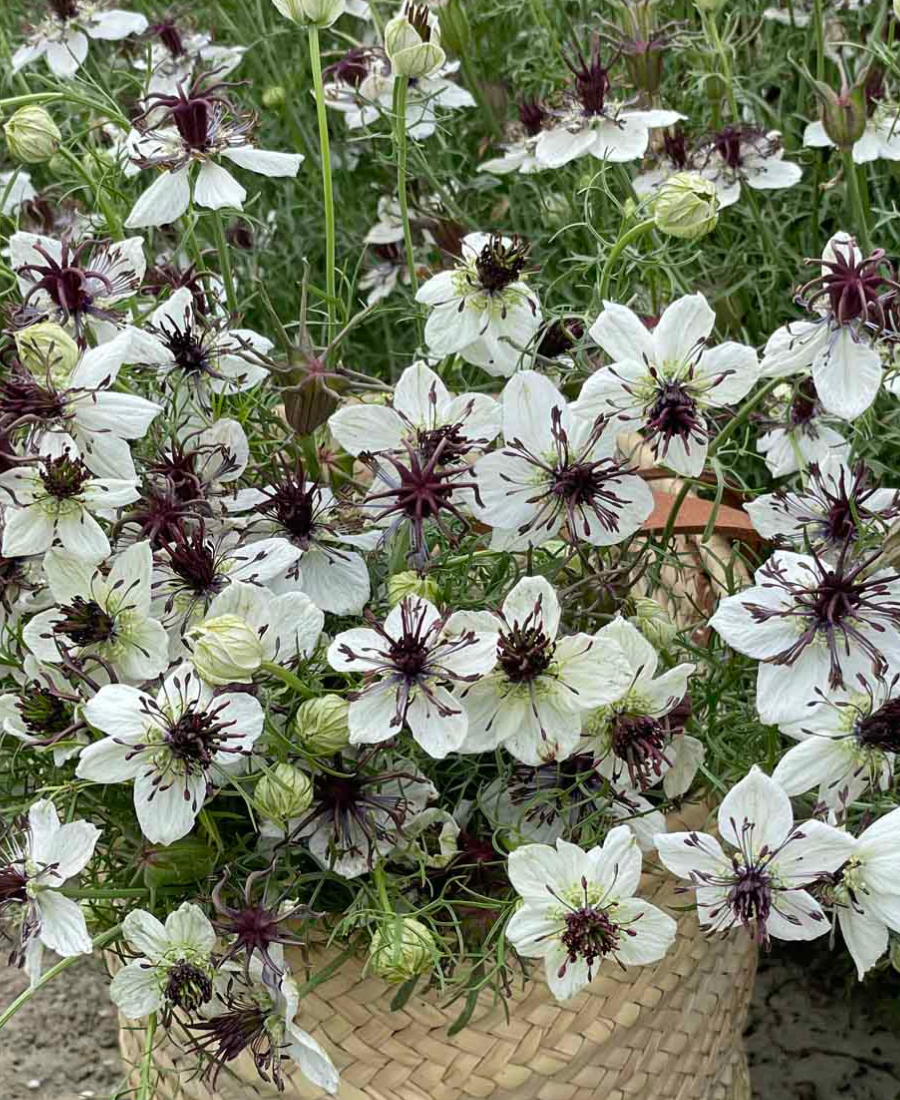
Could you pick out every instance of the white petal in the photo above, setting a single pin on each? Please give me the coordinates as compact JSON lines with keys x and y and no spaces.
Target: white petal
{"x":135,"y":990}
{"x":264,"y":162}
{"x":682,"y":326}
{"x":167,"y":813}
{"x":189,"y":926}
{"x":363,"y":427}
{"x":164,"y":201}
{"x":685,"y":853}
{"x":622,"y":334}
{"x":63,"y":927}
{"x":535,"y":597}
{"x":216,"y":188}
{"x":654,"y":932}
{"x":759,"y":801}
{"x":847,"y":375}
{"x":145,"y":934}
{"x":65,"y":57}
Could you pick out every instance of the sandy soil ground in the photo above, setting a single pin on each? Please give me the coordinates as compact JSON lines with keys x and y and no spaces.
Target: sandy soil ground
{"x":811,"y":1035}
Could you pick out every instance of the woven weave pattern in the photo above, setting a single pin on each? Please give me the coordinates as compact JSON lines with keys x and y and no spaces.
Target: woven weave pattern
{"x":671,"y":1031}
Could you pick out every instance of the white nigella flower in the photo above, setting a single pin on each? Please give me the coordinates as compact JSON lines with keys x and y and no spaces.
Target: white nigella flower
{"x":848,"y":744}
{"x":483,"y":309}
{"x":77,"y":284}
{"x":62,"y":37}
{"x":664,"y":381}
{"x":555,"y":471}
{"x":836,"y":503}
{"x":286,"y":626}
{"x":176,"y":53}
{"x":412,"y":662}
{"x":849,"y":299}
{"x":880,"y":140}
{"x":797,"y":434}
{"x":746,"y":155}
{"x":424,"y":414}
{"x":194,"y":567}
{"x":865,"y":892}
{"x":519,"y":153}
{"x":674,"y":155}
{"x":204,"y":128}
{"x":812,"y":624}
{"x":258,"y":1013}
{"x":578,"y":908}
{"x":631,"y":741}
{"x":380,"y":279}
{"x":199,"y":353}
{"x":174,"y":968}
{"x":592,"y":125}
{"x":534,"y":701}
{"x":44,"y":712}
{"x":34,"y":867}
{"x":357,"y":814}
{"x":308,"y":517}
{"x":425,"y":99}
{"x":16,"y":189}
{"x":80,"y":411}
{"x":101,"y":619}
{"x":760,"y":884}
{"x":173,"y":747}
{"x":55,"y":499}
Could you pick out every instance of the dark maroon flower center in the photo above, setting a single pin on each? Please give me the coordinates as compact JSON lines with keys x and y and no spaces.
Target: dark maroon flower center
{"x":854,"y":289}
{"x":293,"y":504}
{"x":499,"y":263}
{"x":167,"y":32}
{"x":525,"y":652}
{"x":640,"y":741}
{"x":85,"y":622}
{"x":192,"y":558}
{"x":352,"y":68}
{"x":728,"y":145}
{"x":675,"y":148}
{"x":560,"y":337}
{"x":188,"y":986}
{"x":64,"y":9}
{"x":417,"y":14}
{"x":64,"y":477}
{"x":13,"y":885}
{"x":42,"y":712}
{"x":803,"y":406}
{"x":21,"y":397}
{"x":409,"y":656}
{"x":448,"y":438}
{"x":195,"y":738}
{"x":70,"y":284}
{"x":881,"y":729}
{"x":591,"y":79}
{"x":674,"y":415}
{"x":532,"y":116}
{"x":750,"y":897}
{"x":590,"y":934}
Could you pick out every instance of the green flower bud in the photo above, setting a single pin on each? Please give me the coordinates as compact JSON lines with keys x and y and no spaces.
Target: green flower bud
{"x":456,"y":33}
{"x":409,"y":583}
{"x":225,"y":650}
{"x":31,"y":135}
{"x":412,"y":41}
{"x":843,"y":114}
{"x":187,"y":860}
{"x":311,"y":13}
{"x":686,"y":206}
{"x":708,"y":5}
{"x":401,"y":949}
{"x":274,"y":96}
{"x":284,"y":793}
{"x":653,"y":622}
{"x":46,"y":349}
{"x":322,"y":726}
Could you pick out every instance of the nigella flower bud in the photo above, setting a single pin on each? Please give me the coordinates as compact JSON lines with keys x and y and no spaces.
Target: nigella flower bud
{"x":322,"y":726}
{"x":47,"y":350}
{"x":686,"y":206}
{"x":284,"y":793}
{"x":400,"y":949}
{"x":31,"y":135}
{"x":843,"y":114}
{"x":410,"y":583}
{"x":708,"y":5}
{"x":653,"y":622}
{"x":311,"y":13}
{"x":456,"y":34}
{"x":274,"y":96}
{"x":187,"y":860}
{"x":225,"y":650}
{"x":412,"y":41}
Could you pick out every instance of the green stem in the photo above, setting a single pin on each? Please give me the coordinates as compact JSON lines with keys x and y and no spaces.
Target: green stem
{"x":327,"y":189}
{"x":401,"y":87}
{"x":48,"y":975}
{"x":712,"y":30}
{"x":674,"y":510}
{"x":145,"y":1092}
{"x":287,"y":677}
{"x":741,"y":418}
{"x":224,"y":261}
{"x":113,"y":222}
{"x":855,"y":201}
{"x":616,"y":251}
{"x":474,"y":86}
{"x":819,"y":25}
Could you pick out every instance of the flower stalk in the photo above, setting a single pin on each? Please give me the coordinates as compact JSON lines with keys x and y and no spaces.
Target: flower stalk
{"x":327,"y":186}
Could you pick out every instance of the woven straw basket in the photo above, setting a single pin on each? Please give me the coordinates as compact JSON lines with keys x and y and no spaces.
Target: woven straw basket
{"x":671,"y":1031}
